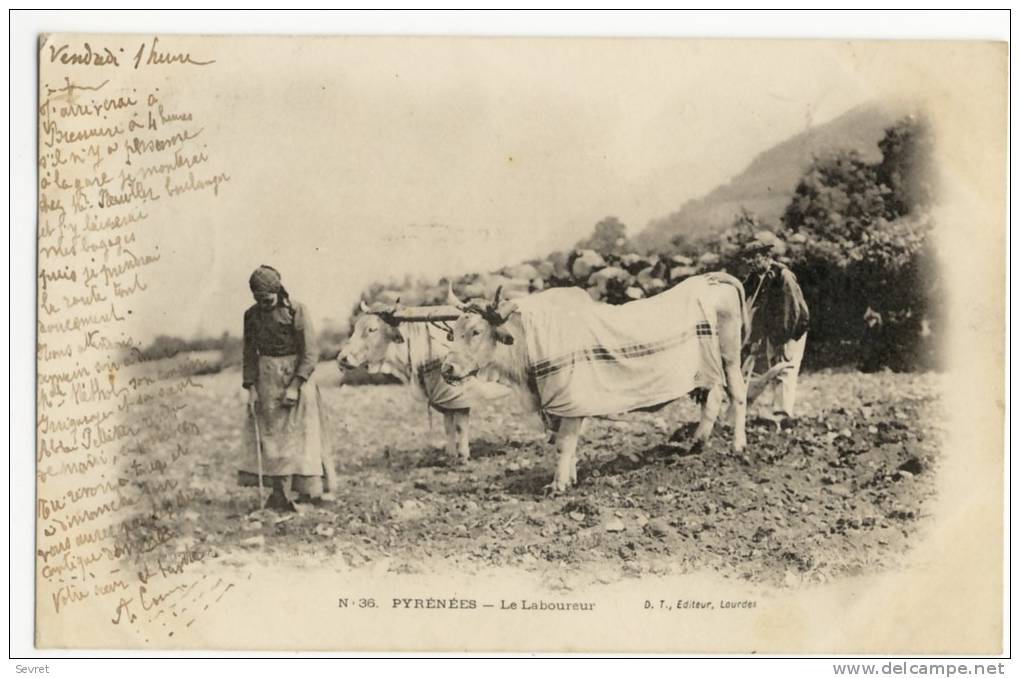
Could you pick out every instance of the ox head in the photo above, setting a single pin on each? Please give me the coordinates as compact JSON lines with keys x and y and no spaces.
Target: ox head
{"x":477,"y":334}
{"x":374,"y":332}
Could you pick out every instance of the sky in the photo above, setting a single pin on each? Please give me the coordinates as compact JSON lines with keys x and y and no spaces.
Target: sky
{"x":353,"y":160}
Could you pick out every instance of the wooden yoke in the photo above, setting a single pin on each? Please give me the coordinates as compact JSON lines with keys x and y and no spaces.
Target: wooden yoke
{"x":424,"y":314}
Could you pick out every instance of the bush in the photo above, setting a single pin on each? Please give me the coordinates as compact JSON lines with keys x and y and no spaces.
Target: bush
{"x":864,"y":245}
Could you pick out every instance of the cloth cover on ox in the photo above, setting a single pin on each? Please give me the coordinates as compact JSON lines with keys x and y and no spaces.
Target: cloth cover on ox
{"x":592,"y":359}
{"x":426,"y":346}
{"x":439,"y":394}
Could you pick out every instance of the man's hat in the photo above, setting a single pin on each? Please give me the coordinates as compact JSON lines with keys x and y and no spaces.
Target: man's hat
{"x":755,"y":247}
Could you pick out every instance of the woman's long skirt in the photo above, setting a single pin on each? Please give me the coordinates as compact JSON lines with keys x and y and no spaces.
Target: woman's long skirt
{"x":293,"y":439}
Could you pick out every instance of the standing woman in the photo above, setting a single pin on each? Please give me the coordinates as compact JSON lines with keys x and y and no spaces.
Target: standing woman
{"x":279,"y":357}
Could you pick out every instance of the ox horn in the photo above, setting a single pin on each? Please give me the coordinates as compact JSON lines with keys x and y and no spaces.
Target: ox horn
{"x":364,"y":307}
{"x":499,"y":292}
{"x":452,"y":299}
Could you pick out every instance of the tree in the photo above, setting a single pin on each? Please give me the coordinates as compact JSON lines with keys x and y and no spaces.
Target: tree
{"x":839,"y":200}
{"x":609,"y":237}
{"x":907,"y":149}
{"x":682,"y":244}
{"x":865,"y":241}
{"x":854,"y":212}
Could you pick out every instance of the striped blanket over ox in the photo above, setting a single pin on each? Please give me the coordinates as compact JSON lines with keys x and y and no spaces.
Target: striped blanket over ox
{"x":592,"y":359}
{"x":426,"y":346}
{"x":441,"y":395}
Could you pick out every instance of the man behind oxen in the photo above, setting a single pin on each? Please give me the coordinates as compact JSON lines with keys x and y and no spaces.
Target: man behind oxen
{"x":779,"y":321}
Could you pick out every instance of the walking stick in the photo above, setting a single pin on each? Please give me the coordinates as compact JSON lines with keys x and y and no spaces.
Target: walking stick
{"x":258,"y":451}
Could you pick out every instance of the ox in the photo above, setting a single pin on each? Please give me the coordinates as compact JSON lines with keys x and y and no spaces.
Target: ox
{"x":701,"y":323}
{"x":413,"y":352}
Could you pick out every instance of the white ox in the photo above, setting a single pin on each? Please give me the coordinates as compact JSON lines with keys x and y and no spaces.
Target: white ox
{"x":493,"y":338}
{"x":413,"y":352}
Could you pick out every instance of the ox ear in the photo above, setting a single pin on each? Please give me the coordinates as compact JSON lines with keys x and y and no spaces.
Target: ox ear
{"x":364,"y":307}
{"x":503,"y":335}
{"x":505,"y":310}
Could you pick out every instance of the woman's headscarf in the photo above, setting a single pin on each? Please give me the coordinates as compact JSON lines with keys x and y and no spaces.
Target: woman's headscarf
{"x":267,"y":280}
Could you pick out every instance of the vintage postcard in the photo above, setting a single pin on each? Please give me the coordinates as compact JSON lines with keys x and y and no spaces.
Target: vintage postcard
{"x":569,"y":345}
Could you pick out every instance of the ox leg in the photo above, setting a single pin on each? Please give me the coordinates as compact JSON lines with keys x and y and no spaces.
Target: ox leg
{"x":566,"y":441}
{"x":449,"y":426}
{"x":461,"y":421}
{"x":736,"y":387}
{"x":753,"y":390}
{"x":709,"y":413}
{"x":552,"y":425}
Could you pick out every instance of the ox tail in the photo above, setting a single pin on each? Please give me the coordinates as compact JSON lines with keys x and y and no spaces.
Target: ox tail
{"x":745,"y":316}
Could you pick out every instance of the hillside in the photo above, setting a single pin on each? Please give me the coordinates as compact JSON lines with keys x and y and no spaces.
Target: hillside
{"x":767,"y":184}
